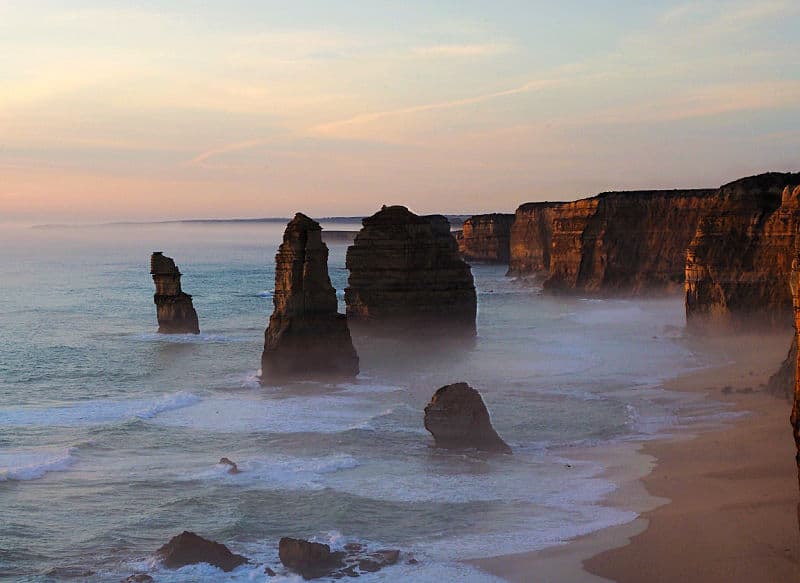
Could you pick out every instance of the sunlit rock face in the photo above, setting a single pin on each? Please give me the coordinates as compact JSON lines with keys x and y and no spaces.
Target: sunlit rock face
{"x":739,"y":262}
{"x":485,"y":238}
{"x":794,"y":281}
{"x":306,"y":337}
{"x":174,"y":309}
{"x":615,"y":243}
{"x":457,"y":418}
{"x":405,"y":271}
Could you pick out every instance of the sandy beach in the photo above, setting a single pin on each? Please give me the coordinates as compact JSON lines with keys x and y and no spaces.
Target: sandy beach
{"x":717,"y":502}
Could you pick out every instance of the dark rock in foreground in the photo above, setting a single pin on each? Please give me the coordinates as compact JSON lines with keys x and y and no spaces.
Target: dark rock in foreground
{"x":457,"y":418}
{"x":138,"y":578}
{"x":306,"y":337}
{"x":188,"y":549}
{"x":311,"y":560}
{"x":315,"y":560}
{"x":174,"y":309}
{"x":405,"y":270}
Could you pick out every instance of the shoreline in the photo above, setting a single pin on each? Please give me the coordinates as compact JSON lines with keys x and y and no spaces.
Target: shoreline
{"x":716,"y":499}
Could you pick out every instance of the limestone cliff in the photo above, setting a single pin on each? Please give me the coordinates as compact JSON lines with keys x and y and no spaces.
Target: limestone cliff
{"x":486,"y":238}
{"x":174,"y":309}
{"x":613,"y":243}
{"x":739,"y":261}
{"x":306,"y":337}
{"x":405,"y":270}
{"x":794,"y":281}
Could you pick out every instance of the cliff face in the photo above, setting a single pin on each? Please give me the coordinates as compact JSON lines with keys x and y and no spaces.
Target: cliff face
{"x":531,"y":238}
{"x":486,"y":238}
{"x":739,"y":261}
{"x":306,"y":337}
{"x":615,"y":242}
{"x":406,"y":270}
{"x":794,"y":281}
{"x":174,"y":309}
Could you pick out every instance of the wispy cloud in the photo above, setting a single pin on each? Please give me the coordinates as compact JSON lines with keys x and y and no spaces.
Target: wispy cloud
{"x":530,"y":86}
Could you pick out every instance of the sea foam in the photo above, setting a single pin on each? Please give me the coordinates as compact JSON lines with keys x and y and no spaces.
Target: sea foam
{"x":33,"y":463}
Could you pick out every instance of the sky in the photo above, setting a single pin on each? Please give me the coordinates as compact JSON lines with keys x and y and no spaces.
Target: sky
{"x":144,"y":110}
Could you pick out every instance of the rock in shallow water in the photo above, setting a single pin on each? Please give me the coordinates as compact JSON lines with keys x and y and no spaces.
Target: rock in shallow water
{"x":188,"y":548}
{"x":306,"y":337}
{"x":311,"y":560}
{"x":405,"y":270}
{"x":457,"y":418}
{"x":174,"y":309}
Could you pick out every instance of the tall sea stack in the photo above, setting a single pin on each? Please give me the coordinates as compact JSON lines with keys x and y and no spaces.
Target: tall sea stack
{"x":307,"y":337}
{"x":486,"y":238}
{"x":405,"y":270}
{"x":174,"y":309}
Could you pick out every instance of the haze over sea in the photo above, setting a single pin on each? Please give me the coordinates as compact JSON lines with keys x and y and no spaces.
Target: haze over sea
{"x":110,"y":433}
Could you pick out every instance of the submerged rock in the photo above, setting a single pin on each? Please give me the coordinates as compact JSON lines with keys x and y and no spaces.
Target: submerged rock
{"x":457,"y":418}
{"x":309,"y":559}
{"x":405,"y":270}
{"x":174,"y":309}
{"x":306,"y":337}
{"x":188,"y":548}
{"x":232,"y":467}
{"x":138,"y":578}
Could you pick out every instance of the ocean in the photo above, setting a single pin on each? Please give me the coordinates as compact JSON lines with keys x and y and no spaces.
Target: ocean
{"x":110,"y":433}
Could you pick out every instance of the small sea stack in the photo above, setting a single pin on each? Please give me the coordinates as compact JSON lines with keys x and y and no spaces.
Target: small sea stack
{"x":174,"y":309}
{"x":405,"y":270}
{"x":307,"y":338}
{"x":458,"y":419}
{"x":188,"y":548}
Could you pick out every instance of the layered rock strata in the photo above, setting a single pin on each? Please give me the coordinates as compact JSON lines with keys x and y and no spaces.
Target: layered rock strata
{"x":486,"y":238}
{"x":306,"y":337}
{"x":174,"y":309}
{"x":739,"y":261}
{"x":405,"y":270}
{"x":794,"y":419}
{"x":457,"y":418}
{"x":613,"y":243}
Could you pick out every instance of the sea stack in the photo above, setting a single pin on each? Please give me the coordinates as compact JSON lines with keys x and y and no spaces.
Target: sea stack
{"x":457,"y":418}
{"x":174,"y":309}
{"x":307,"y":337}
{"x":405,"y":270}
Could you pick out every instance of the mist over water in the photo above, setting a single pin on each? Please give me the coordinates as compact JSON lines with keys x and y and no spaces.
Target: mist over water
{"x":110,"y":433}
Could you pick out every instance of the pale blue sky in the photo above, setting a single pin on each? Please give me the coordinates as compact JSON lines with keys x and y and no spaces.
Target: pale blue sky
{"x":112,"y":110}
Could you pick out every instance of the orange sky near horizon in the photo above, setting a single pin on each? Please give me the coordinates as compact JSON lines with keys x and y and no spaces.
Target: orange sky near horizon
{"x":164,"y":110}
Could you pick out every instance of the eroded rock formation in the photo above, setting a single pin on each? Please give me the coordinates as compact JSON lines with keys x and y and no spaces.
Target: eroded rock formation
{"x":405,"y":270}
{"x":486,"y":238}
{"x":457,"y":418}
{"x":739,"y":261}
{"x":781,"y":384}
{"x":188,"y":548}
{"x":306,"y":337}
{"x":613,"y":243}
{"x":174,"y":309}
{"x":794,"y":281}
{"x":315,"y":560}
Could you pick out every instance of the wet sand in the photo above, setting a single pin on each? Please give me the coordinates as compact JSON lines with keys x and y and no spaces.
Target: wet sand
{"x":720,"y":504}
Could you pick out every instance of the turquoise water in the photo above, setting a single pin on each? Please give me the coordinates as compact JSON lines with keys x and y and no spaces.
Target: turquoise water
{"x":110,"y":433}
